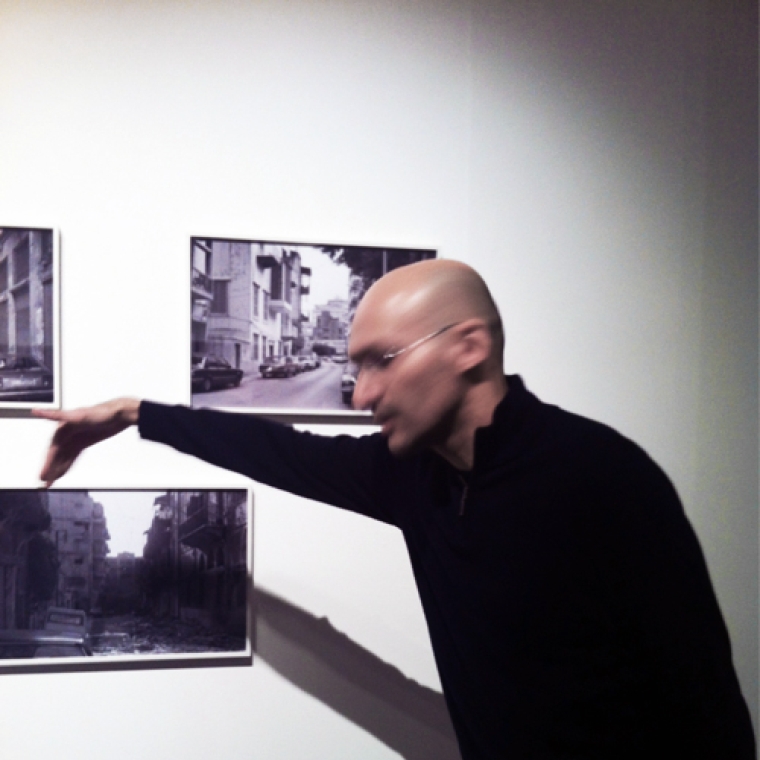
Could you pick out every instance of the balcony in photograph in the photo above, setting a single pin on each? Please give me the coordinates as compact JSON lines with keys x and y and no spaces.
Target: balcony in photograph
{"x":202,"y":284}
{"x":280,"y":306}
{"x":203,"y":527}
{"x":305,"y":281}
{"x":271,"y":257}
{"x":289,"y":332}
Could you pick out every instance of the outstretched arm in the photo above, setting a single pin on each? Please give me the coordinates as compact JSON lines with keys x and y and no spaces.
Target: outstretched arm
{"x":336,"y":470}
{"x":80,"y":428}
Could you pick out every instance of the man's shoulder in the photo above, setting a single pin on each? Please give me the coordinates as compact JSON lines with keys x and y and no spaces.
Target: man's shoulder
{"x":525,"y":425}
{"x":521,"y":408}
{"x":581,"y":438}
{"x":582,"y":428}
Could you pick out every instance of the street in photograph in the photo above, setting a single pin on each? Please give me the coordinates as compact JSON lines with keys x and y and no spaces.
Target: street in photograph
{"x":271,"y":321}
{"x":28,"y":335}
{"x":109,"y":574}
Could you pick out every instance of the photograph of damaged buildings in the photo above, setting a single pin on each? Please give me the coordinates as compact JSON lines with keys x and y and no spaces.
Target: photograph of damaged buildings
{"x":153,"y":572}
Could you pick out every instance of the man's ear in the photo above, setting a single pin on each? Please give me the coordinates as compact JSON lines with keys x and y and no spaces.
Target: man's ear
{"x":473,"y":345}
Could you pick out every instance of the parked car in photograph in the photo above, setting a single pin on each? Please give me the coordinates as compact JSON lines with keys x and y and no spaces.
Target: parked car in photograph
{"x":339,"y":358}
{"x":28,"y":644}
{"x":307,"y":363}
{"x":278,"y":366}
{"x":348,"y":382}
{"x":24,"y":378}
{"x":210,"y":372}
{"x":66,"y":620}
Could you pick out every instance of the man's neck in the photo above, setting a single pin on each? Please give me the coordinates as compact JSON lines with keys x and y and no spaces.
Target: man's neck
{"x":476,"y":412}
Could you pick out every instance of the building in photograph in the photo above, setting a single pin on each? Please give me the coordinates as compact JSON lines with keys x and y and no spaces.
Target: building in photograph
{"x":246,"y":300}
{"x":27,"y":557}
{"x":122,"y":588}
{"x":201,"y":293}
{"x":282,"y":303}
{"x":160,"y":556}
{"x":331,"y":325}
{"x":26,"y":293}
{"x":196,"y":558}
{"x":79,"y":532}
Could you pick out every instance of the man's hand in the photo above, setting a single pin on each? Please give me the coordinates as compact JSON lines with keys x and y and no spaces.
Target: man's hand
{"x":80,"y":428}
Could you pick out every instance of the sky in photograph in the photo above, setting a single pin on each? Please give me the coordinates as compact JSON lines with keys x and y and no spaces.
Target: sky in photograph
{"x":328,"y":280}
{"x":128,"y":515}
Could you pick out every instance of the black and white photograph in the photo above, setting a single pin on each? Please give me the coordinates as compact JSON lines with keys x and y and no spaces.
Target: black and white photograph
{"x":271,"y":321}
{"x":28,"y":321}
{"x":88,"y":577}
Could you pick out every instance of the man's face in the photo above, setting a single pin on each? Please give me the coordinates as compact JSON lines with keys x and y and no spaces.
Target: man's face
{"x":413,"y":396}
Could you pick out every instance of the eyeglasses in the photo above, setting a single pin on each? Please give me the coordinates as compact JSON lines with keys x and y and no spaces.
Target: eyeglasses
{"x":374,"y":363}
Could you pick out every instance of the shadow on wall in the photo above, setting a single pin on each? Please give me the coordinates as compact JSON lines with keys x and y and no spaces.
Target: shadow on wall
{"x":306,"y":650}
{"x":407,"y":717}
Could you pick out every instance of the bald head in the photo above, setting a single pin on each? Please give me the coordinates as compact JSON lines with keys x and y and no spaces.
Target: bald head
{"x":431,"y":294}
{"x":427,"y":341}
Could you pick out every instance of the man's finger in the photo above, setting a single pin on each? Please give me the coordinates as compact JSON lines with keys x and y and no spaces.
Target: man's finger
{"x":48,"y":414}
{"x":46,"y":473}
{"x":60,"y":415}
{"x":56,"y":464}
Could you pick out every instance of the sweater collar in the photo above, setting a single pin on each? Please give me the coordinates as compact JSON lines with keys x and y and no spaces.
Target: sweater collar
{"x":496,"y":441}
{"x":501,"y":440}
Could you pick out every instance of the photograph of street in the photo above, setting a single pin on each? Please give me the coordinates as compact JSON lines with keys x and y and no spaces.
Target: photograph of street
{"x":139,"y":575}
{"x":271,"y":321}
{"x":28,"y":334}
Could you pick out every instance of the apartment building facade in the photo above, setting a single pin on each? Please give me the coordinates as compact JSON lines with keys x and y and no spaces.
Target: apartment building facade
{"x":196,"y":558}
{"x":246,"y":300}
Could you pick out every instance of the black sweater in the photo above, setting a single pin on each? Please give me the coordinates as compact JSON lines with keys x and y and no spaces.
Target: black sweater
{"x":567,"y":598}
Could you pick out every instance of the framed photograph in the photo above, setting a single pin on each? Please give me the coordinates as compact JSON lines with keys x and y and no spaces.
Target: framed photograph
{"x":270,"y":321}
{"x":29,"y":332}
{"x":105,"y":578}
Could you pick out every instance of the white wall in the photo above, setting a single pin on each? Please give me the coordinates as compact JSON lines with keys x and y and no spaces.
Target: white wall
{"x":594,"y":159}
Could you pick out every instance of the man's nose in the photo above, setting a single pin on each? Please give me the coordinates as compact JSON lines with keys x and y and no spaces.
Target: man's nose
{"x":366,"y":390}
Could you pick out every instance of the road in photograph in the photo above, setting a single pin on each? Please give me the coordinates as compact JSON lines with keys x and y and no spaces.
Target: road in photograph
{"x":314,"y":390}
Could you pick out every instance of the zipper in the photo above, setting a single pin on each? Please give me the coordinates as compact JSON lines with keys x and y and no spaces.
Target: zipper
{"x":463,"y":497}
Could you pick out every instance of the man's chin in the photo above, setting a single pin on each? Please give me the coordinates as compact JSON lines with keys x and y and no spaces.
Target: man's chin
{"x":401,"y":447}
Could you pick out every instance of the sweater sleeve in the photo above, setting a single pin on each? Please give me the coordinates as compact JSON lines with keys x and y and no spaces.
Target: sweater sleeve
{"x":338,"y":470}
{"x":673,"y":608}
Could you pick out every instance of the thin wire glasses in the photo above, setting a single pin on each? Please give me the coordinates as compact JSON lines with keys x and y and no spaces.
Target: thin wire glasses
{"x":373,"y":363}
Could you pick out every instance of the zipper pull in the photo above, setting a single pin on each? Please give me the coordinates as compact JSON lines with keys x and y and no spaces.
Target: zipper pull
{"x":463,"y":498}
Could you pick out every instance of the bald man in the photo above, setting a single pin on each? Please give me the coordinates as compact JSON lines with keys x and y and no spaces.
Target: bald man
{"x":568,"y":602}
